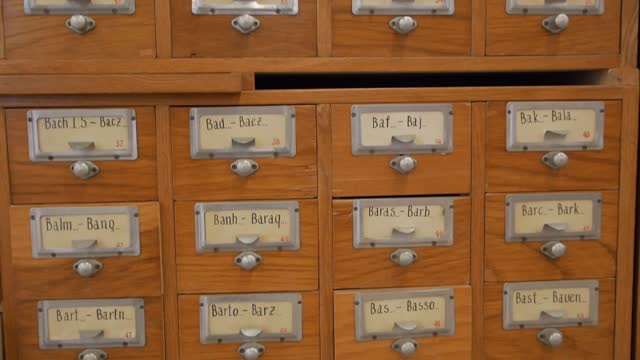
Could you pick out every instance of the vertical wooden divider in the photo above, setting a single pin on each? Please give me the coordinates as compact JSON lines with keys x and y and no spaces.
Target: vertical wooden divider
{"x":478,"y":122}
{"x":325,"y":227}
{"x":324,"y":28}
{"x":167,"y":233}
{"x":629,"y":34}
{"x":626,"y":219}
{"x":8,"y":300}
{"x":2,"y":55}
{"x":478,"y":27}
{"x":163,"y":28}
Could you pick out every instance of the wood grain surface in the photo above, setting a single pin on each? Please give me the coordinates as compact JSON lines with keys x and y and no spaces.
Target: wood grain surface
{"x":456,"y":347}
{"x":372,"y":176}
{"x":524,"y":34}
{"x":579,"y":342}
{"x":372,"y":268}
{"x":125,"y":276}
{"x":525,"y":171}
{"x":279,"y":271}
{"x":519,"y":261}
{"x":53,"y":182}
{"x":282,"y":177}
{"x":46,"y":37}
{"x":192,"y":349}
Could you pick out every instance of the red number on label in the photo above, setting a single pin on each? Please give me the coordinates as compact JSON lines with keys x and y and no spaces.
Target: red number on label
{"x":436,"y":324}
{"x":119,"y":245}
{"x":439,"y":233}
{"x":284,"y":330}
{"x":284,"y":238}
{"x":586,"y":134}
{"x":586,"y":228}
{"x":438,"y":141}
{"x":119,"y":143}
{"x":129,"y":335}
{"x":588,"y":2}
{"x":580,"y":316}
{"x":276,"y":141}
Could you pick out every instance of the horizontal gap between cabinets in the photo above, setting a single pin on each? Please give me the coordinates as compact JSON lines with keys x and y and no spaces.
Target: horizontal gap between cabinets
{"x":403,"y":196}
{"x":427,"y":80}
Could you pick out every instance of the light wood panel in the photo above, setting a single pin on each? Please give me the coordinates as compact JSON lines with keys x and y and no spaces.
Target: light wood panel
{"x":27,"y":341}
{"x":279,"y":270}
{"x":456,"y":347}
{"x":372,"y":176}
{"x":206,"y":179}
{"x":53,"y":182}
{"x":192,"y":349}
{"x":213,"y":35}
{"x":523,"y":261}
{"x":579,"y":342}
{"x":629,"y":34}
{"x":524,"y":34}
{"x":47,"y":37}
{"x":371,"y":35}
{"x":372,"y":267}
{"x":525,"y":171}
{"x":124,"y":276}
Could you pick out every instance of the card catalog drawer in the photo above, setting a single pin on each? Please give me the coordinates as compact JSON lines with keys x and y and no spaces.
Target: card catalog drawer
{"x":569,"y":236}
{"x":115,"y":317}
{"x":401,"y":29}
{"x":233,"y":29}
{"x":82,"y":155}
{"x":258,"y":246}
{"x":283,"y":144}
{"x":297,"y":320}
{"x":582,"y":27}
{"x":442,"y":330}
{"x":58,"y":29}
{"x":572,"y":340}
{"x":553,"y":146}
{"x":401,"y":149}
{"x":392,"y":242}
{"x":86,"y":251}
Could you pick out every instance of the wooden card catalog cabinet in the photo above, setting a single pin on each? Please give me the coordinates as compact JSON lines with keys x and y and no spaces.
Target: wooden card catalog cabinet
{"x":91,"y":325}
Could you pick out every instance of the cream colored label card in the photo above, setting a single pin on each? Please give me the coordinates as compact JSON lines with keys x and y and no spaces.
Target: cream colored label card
{"x":568,"y":3}
{"x":111,"y":231}
{"x":224,"y":131}
{"x":106,"y":133}
{"x":567,"y":125}
{"x":231,"y":318}
{"x":269,"y":225}
{"x":419,"y":128}
{"x":419,"y":313}
{"x":109,"y":322}
{"x":565,"y":215}
{"x":558,"y":303}
{"x":420,"y":221}
{"x":416,"y":3}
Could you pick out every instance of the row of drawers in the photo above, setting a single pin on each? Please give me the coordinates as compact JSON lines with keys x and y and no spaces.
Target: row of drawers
{"x":289,"y":269}
{"x":214,"y":179}
{"x":357,"y":315}
{"x":437,"y":32}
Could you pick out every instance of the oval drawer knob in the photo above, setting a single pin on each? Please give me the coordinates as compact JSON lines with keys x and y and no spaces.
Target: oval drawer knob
{"x":244,"y":167}
{"x":551,"y":337}
{"x":555,"y":159}
{"x":404,"y":257}
{"x":245,"y":24}
{"x":553,"y":249}
{"x":248,"y":260}
{"x":84,"y":169}
{"x":406,"y":347}
{"x":92,"y":354}
{"x":251,"y":351}
{"x":87,"y":267}
{"x":80,"y":24}
{"x":403,"y":24}
{"x":403,"y":164}
{"x":556,"y":23}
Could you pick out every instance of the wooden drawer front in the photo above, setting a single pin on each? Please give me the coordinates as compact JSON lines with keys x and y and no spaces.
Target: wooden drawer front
{"x":523,"y":261}
{"x":524,"y":35}
{"x":28,"y":347}
{"x":192,"y":348}
{"x":371,"y":35}
{"x":587,"y":342}
{"x":457,"y":346}
{"x":213,"y":35}
{"x":205,"y":179}
{"x":373,"y":268}
{"x":35,"y":37}
{"x":53,"y":182}
{"x":525,"y":171}
{"x":55,"y":278}
{"x":279,"y":271}
{"x":366,"y":175}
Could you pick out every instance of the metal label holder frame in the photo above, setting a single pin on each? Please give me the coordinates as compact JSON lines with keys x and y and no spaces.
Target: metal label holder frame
{"x":43,"y":328}
{"x":39,"y":252}
{"x":396,"y":149}
{"x":400,"y":7}
{"x":361,"y":299}
{"x":509,"y":229}
{"x":514,"y":146}
{"x":126,"y":7}
{"x":294,"y":336}
{"x":203,"y":247}
{"x":510,"y":324}
{"x":553,"y":8}
{"x":242,"y":7}
{"x":359,"y":242}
